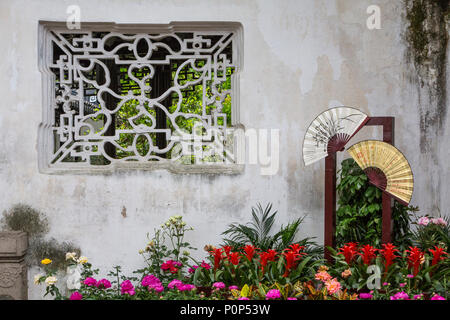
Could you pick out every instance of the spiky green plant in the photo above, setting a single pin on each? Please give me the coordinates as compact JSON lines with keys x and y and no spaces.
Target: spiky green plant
{"x":258,"y":232}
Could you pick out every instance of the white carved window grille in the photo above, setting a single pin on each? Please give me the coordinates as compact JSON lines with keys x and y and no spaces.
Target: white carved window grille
{"x":138,"y":96}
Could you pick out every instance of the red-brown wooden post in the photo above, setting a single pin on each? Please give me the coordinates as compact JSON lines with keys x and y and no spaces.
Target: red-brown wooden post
{"x":330,"y":204}
{"x":388,"y":124}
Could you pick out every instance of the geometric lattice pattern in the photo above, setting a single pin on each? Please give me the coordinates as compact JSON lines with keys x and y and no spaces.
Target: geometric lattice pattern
{"x":117,"y":94}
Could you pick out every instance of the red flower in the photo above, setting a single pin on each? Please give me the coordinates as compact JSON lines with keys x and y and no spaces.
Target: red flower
{"x":349,"y":251}
{"x":415,"y":259}
{"x":368,"y":253}
{"x":438,"y":255}
{"x":234,"y":257}
{"x":217,"y":253}
{"x":171,"y":265}
{"x":389,"y":255}
{"x":296,"y":247}
{"x":227,"y":250}
{"x":250,"y":251}
{"x":265,"y":257}
{"x":292,"y":255}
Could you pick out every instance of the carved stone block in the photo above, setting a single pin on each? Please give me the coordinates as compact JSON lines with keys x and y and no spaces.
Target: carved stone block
{"x":13,"y":270}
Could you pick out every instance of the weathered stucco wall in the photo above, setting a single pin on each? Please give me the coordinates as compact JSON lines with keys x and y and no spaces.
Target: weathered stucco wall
{"x":300,"y":57}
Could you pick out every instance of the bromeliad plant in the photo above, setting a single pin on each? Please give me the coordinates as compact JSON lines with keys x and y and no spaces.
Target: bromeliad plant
{"x":258,"y":233}
{"x":251,"y":265}
{"x":363,"y":267}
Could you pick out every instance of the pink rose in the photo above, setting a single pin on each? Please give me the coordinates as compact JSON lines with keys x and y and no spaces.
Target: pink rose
{"x":127,"y":287}
{"x":273,"y":294}
{"x":103,"y":284}
{"x":365,"y":296}
{"x":90,"y":281}
{"x":437,"y":297}
{"x":219,"y":285}
{"x":76,"y":296}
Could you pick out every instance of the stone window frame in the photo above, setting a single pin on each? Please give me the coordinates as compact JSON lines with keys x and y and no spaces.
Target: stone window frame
{"x":45,"y":143}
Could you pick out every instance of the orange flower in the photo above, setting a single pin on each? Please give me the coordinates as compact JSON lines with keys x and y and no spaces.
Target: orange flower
{"x":333,"y":286}
{"x":347,"y":273}
{"x":323,"y":276}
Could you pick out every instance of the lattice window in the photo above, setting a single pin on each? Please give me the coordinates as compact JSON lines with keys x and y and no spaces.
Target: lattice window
{"x":128,"y":96}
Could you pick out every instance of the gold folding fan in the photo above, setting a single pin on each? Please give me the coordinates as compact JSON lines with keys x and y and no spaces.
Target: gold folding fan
{"x":386,"y":167}
{"x":330,"y":131}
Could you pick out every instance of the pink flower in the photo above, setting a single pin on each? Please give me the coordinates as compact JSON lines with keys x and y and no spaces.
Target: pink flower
{"x":233,"y":288}
{"x":423,"y":221}
{"x":437,"y":297}
{"x":205,"y":265}
{"x":441,"y":221}
{"x":333,"y":286}
{"x":103,"y":284}
{"x":418,"y":296}
{"x":323,"y":276}
{"x":243,"y":298}
{"x":400,"y":296}
{"x":174,"y":284}
{"x":149,"y":280}
{"x":152,"y":282}
{"x":410,"y":276}
{"x":365,"y":296}
{"x":438,"y":221}
{"x":90,"y":281}
{"x":291,"y":298}
{"x":192,"y":269}
{"x":76,"y":296}
{"x":219,"y":285}
{"x":273,"y":294}
{"x":402,"y":285}
{"x":186,"y":287}
{"x":127,"y":287}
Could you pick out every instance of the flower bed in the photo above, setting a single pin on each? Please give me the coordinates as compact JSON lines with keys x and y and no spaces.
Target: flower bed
{"x":357,"y":272}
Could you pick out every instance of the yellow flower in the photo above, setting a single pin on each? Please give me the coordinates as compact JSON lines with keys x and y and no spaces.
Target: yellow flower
{"x":82,"y":260}
{"x":323,"y":268}
{"x":46,"y":261}
{"x":50,"y":281}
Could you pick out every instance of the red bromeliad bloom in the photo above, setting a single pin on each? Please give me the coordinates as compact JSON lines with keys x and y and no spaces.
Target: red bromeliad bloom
{"x":217,"y":254}
{"x":368,"y":253}
{"x":250,"y":251}
{"x":234,"y":257}
{"x":438,"y":255}
{"x":415,"y":258}
{"x":292,"y":255}
{"x":265,"y":257}
{"x":227,"y":250}
{"x":349,"y":251}
{"x":389,"y":255}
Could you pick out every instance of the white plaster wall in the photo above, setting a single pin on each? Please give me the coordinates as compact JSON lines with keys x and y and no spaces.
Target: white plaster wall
{"x":300,"y":57}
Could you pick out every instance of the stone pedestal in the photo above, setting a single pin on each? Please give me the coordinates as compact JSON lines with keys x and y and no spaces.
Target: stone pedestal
{"x":13,"y":270}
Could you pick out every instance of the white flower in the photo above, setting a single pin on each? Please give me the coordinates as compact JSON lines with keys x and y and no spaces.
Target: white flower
{"x":74,"y":277}
{"x":50,"y":281}
{"x":71,"y":256}
{"x":37,"y":278}
{"x":82,"y":260}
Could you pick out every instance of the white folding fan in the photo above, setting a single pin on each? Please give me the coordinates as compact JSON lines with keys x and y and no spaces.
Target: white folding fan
{"x":386,"y":167}
{"x":330,"y":131}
